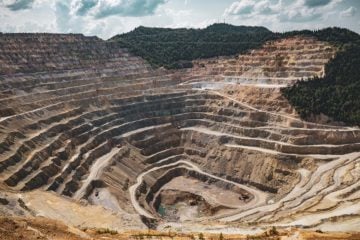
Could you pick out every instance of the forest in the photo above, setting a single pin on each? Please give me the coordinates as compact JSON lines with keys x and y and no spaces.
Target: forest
{"x":176,"y":48}
{"x":337,"y":94}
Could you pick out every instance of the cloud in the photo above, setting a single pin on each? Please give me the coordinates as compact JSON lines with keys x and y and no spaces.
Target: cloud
{"x":316,"y":3}
{"x":62,"y":16}
{"x":125,"y":8}
{"x":299,"y":12}
{"x":280,"y":11}
{"x":82,"y":7}
{"x":16,"y":5}
{"x":241,"y":7}
{"x":91,"y":17}
{"x":350,"y":12}
{"x":67,"y":20}
{"x":251,"y":7}
{"x":299,"y":16}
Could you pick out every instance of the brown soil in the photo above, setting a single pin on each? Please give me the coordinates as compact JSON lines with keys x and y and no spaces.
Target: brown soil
{"x":13,"y":228}
{"x":268,"y":99}
{"x":36,"y":228}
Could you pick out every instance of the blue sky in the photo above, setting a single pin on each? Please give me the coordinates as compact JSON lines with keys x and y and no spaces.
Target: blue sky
{"x":106,"y":18}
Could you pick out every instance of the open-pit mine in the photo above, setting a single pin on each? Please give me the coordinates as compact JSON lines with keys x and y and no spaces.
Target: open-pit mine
{"x":95,"y":137}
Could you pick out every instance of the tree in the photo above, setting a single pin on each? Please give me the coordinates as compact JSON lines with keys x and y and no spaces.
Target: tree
{"x":201,"y":236}
{"x":336,"y":94}
{"x":273,"y":231}
{"x":221,"y":237}
{"x":126,"y":185}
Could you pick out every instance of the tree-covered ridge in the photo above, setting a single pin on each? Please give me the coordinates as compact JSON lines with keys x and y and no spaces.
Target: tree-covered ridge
{"x":334,"y":35}
{"x":337,"y":94}
{"x":176,"y":48}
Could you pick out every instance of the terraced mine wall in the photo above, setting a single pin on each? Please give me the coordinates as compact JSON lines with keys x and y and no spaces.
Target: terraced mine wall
{"x":112,"y":131}
{"x":279,"y":62}
{"x":27,"y":53}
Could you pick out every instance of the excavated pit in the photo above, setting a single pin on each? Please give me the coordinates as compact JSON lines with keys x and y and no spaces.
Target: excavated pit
{"x":200,"y":187}
{"x":181,"y":206}
{"x":186,"y":146}
{"x":187,"y":198}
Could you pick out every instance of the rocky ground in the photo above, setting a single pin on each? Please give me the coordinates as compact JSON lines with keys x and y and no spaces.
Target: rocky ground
{"x":14,"y":228}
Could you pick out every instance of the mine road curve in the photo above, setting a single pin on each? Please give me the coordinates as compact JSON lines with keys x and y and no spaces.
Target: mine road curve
{"x":95,"y":171}
{"x":299,"y":192}
{"x":259,"y":196}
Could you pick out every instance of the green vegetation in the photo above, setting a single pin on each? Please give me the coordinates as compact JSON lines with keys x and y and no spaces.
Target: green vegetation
{"x":106,"y":231}
{"x":126,"y":184}
{"x":336,"y":36}
{"x":201,"y":236}
{"x":162,"y":210}
{"x":337,"y":94}
{"x":161,"y":235}
{"x":176,"y":48}
{"x":23,"y":205}
{"x":4,"y":201}
{"x":273,"y":231}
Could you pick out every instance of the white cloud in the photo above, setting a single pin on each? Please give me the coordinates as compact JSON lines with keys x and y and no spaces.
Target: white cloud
{"x":84,"y":16}
{"x":241,"y":7}
{"x":17,"y":5}
{"x":106,"y":8}
{"x":252,"y":7}
{"x":348,"y":12}
{"x":316,"y":3}
{"x":279,"y":14}
{"x":299,"y":12}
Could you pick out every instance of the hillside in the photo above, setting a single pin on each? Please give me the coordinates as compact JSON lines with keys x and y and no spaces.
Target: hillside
{"x":176,"y":48}
{"x":279,"y":62}
{"x":29,"y":53}
{"x":336,"y":94}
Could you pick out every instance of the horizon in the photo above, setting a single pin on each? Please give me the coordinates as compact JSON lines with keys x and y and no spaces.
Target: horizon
{"x":107,"y":18}
{"x":174,"y":28}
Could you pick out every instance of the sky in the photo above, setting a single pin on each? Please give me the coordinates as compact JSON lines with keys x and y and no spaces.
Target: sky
{"x":106,"y":18}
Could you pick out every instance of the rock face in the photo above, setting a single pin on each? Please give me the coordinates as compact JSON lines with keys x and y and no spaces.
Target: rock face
{"x":279,"y":62}
{"x":27,"y":53}
{"x":89,"y":121}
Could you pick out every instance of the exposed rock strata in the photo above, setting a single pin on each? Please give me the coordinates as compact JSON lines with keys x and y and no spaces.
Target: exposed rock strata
{"x":110,"y":130}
